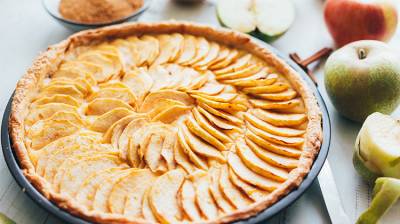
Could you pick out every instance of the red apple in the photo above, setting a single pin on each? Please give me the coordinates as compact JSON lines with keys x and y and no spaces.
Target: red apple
{"x":352,"y":20}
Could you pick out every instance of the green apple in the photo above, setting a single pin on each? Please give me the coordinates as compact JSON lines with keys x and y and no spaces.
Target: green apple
{"x":386,"y":193}
{"x":377,"y":148}
{"x":264,"y":19}
{"x":363,"y":77}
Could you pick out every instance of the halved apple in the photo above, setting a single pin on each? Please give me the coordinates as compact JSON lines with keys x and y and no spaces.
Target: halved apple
{"x":267,"y":19}
{"x":377,"y":147}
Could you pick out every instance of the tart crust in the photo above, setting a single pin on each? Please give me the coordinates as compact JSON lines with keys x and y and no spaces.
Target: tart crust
{"x":48,"y":61}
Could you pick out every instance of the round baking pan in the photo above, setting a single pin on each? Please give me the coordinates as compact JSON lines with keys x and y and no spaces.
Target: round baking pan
{"x":284,"y":202}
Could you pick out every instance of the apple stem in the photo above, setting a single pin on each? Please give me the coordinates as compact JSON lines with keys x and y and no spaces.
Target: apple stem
{"x":362,"y":54}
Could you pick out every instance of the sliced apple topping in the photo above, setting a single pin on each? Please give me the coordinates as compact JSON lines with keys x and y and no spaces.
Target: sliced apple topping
{"x":103,"y":122}
{"x":265,"y":126}
{"x":253,"y":162}
{"x":272,"y":158}
{"x":230,"y":191}
{"x":147,"y":213}
{"x":187,"y":200}
{"x":204,"y":199}
{"x":103,"y":191}
{"x":162,"y":197}
{"x":123,"y":94}
{"x":153,"y":98}
{"x":199,"y":162}
{"x":87,"y":190}
{"x":203,"y":122}
{"x":275,"y":148}
{"x":199,"y":131}
{"x":127,"y":193}
{"x":139,"y":81}
{"x":251,"y":191}
{"x":281,"y":140}
{"x":170,"y":46}
{"x":200,"y":147}
{"x":244,"y":73}
{"x":221,"y":114}
{"x":238,"y":65}
{"x":76,"y":175}
{"x":100,"y":106}
{"x":280,"y":119}
{"x":216,"y":192}
{"x":248,"y":175}
{"x":123,"y":140}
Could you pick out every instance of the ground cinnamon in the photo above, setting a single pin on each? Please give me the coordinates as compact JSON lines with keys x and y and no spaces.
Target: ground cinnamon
{"x":98,"y":11}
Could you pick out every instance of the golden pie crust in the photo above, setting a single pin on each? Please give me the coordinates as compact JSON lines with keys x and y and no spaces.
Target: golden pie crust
{"x":218,"y":193}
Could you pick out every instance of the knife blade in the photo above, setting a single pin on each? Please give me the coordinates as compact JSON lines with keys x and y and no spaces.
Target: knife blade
{"x":331,"y":196}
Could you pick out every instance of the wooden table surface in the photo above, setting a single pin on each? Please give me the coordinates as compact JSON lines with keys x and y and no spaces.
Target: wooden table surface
{"x":26,"y":29}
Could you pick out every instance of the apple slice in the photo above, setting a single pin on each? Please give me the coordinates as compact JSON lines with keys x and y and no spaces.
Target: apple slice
{"x":162,"y":197}
{"x":252,"y":192}
{"x":267,"y":19}
{"x":272,"y":158}
{"x":216,"y":192}
{"x":87,"y":189}
{"x":204,"y":198}
{"x":279,"y":149}
{"x":104,"y":189}
{"x":187,"y":201}
{"x":265,"y":126}
{"x":280,"y":140}
{"x":100,"y":106}
{"x":205,"y":124}
{"x":249,"y":176}
{"x":76,"y":175}
{"x":385,"y":194}
{"x":103,"y":122}
{"x":147,"y":213}
{"x":182,"y":159}
{"x":230,"y":191}
{"x":278,"y":119}
{"x":201,"y":147}
{"x":257,"y":165}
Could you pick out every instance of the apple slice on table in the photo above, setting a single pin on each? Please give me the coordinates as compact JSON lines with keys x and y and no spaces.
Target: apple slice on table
{"x":264,"y":19}
{"x":385,"y":194}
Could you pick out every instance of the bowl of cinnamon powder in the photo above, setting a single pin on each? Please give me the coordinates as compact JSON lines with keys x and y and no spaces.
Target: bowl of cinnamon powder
{"x":87,"y":14}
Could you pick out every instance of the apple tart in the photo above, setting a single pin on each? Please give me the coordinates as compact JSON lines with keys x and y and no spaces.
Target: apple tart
{"x":163,"y":123}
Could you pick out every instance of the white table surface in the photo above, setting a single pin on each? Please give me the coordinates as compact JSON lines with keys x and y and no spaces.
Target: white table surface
{"x":26,"y":29}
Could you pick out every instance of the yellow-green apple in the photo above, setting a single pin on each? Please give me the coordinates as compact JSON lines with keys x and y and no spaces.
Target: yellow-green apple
{"x":352,"y":20}
{"x":363,"y":77}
